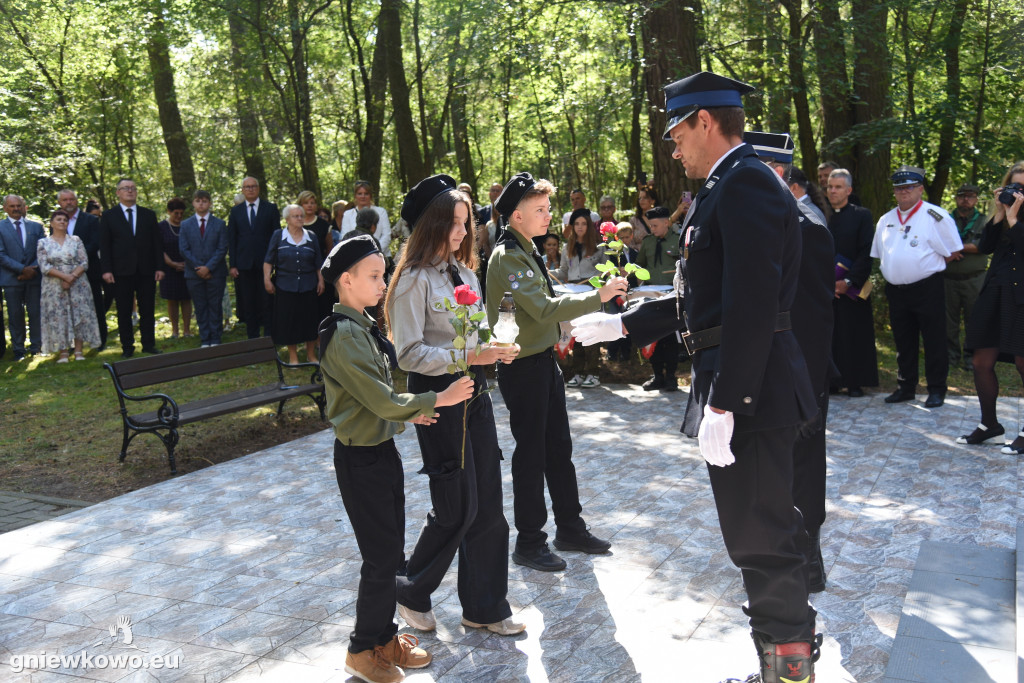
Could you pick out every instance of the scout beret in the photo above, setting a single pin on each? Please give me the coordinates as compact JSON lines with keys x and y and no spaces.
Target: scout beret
{"x":966,"y":188}
{"x":513,"y":192}
{"x":658,"y":212}
{"x":776,"y":146}
{"x":346,"y":254}
{"x":422,"y":193}
{"x":907,"y":175}
{"x":703,"y":90}
{"x":579,"y":213}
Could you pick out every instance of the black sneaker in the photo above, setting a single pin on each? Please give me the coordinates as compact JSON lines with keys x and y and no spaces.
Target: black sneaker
{"x":584,"y":543}
{"x":654,"y":383}
{"x":541,"y":559}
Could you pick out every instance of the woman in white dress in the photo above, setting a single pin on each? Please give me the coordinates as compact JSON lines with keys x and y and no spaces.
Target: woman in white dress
{"x":67,"y":310}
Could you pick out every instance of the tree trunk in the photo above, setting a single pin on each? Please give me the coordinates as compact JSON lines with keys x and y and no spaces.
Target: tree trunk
{"x":183,"y":174}
{"x":830,"y":53}
{"x":389,"y":39}
{"x":798,"y":84}
{"x":372,"y":144}
{"x":424,"y":130}
{"x":871,"y":88}
{"x":670,"y":35}
{"x":636,"y":90}
{"x":305,"y":144}
{"x":248,"y":122}
{"x":979,"y":116}
{"x":947,"y":131}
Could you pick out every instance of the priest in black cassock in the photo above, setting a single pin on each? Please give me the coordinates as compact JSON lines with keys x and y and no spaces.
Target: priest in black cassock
{"x":853,"y":334}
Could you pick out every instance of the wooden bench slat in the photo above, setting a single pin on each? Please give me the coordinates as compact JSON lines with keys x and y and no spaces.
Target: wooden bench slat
{"x":229,"y":403}
{"x":170,"y":373}
{"x":132,"y":365}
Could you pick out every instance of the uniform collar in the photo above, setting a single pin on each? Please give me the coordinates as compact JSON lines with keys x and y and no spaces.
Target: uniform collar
{"x":359,"y":316}
{"x":525,"y":242}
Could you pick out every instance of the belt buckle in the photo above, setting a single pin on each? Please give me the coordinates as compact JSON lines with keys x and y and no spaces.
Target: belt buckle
{"x":689,"y":342}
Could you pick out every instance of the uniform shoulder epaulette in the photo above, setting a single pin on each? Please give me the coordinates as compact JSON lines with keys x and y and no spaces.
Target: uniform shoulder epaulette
{"x":934,"y":213}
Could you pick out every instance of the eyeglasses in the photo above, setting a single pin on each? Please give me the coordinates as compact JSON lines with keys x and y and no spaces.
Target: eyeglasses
{"x":906,"y":188}
{"x":128,"y":188}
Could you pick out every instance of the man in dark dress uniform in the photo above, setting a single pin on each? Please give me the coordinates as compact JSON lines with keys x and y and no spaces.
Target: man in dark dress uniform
{"x":812,"y":325}
{"x":853,"y":338}
{"x":751,"y":389}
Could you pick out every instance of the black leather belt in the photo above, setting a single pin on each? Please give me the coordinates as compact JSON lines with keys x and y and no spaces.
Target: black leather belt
{"x":705,"y":339}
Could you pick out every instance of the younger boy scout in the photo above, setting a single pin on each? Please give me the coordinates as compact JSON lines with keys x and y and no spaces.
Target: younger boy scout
{"x":356,"y":361}
{"x":532,"y":384}
{"x":659,"y":254}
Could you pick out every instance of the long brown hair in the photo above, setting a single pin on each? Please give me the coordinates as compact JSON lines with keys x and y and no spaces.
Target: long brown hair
{"x":429,"y":240}
{"x":589,"y":239}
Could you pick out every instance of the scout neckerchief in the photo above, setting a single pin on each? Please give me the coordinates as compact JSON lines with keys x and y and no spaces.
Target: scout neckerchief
{"x":969,"y":225}
{"x":330,"y":324}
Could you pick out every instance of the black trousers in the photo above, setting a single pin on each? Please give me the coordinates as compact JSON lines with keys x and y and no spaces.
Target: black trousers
{"x":101,"y":305}
{"x":809,"y":469}
{"x":918,"y":312}
{"x":142,"y":288}
{"x":764,"y":533}
{"x":372,"y":488}
{"x":534,"y":393}
{"x":665,"y":356}
{"x":467,"y":515}
{"x":255,"y":303}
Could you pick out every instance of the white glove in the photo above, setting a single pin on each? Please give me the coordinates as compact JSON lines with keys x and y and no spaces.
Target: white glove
{"x":714,"y":436}
{"x":594,"y":328}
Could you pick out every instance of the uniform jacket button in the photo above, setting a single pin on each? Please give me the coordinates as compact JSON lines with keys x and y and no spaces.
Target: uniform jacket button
{"x":747,"y":400}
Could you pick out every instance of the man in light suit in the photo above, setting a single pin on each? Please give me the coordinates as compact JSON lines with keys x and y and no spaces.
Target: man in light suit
{"x":250,"y":225}
{"x":19,"y":274}
{"x":132,"y":260}
{"x":203,"y":240}
{"x":87,"y":227}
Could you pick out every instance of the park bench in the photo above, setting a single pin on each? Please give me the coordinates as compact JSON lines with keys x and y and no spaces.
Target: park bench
{"x":137,"y":373}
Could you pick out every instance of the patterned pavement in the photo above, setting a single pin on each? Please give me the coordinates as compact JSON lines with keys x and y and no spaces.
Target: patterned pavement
{"x":248,"y":569}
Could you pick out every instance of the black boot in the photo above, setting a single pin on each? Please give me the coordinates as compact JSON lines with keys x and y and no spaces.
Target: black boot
{"x":787,"y":662}
{"x":655,"y":383}
{"x":815,"y":565}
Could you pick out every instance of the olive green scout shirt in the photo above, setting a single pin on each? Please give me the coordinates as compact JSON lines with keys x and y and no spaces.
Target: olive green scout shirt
{"x":361,"y":400}
{"x":662,"y":272}
{"x":537,"y":312}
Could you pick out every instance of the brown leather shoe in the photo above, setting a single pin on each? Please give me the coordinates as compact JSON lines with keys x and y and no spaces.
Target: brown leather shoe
{"x":402,"y":651}
{"x":372,"y":666}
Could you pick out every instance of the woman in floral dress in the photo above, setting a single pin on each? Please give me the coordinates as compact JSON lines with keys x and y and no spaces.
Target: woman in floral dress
{"x":67,"y":310}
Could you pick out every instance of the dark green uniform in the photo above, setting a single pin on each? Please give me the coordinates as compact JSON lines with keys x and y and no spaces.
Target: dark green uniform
{"x":659,"y":256}
{"x":963,"y":280}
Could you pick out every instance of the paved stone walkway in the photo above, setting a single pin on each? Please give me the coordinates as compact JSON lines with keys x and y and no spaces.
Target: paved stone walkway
{"x":21,"y":509}
{"x":248,"y":569}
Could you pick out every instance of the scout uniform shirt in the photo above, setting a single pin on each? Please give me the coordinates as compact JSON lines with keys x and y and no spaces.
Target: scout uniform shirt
{"x":516,"y":267}
{"x":913,"y":246}
{"x":361,"y":400}
{"x":659,"y":260}
{"x":969,"y":229}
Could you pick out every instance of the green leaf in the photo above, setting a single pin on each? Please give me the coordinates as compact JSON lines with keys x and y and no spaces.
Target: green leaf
{"x":595,"y":282}
{"x":459,"y":343}
{"x":605,"y":267}
{"x":642,"y":274}
{"x":631,"y":267}
{"x":477,"y":317}
{"x":484,"y":335}
{"x":452,"y":368}
{"x":462,"y":365}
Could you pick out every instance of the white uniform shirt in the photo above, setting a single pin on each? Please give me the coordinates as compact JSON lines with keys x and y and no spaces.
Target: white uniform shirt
{"x":911,"y":251}
{"x":594,"y":216}
{"x":383,"y":232}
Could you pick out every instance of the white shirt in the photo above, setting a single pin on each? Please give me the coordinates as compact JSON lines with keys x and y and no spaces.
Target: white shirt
{"x":133,"y":221}
{"x":911,"y":251}
{"x":72,"y":222}
{"x":383,"y":232}
{"x":255,"y":207}
{"x":594,"y":216}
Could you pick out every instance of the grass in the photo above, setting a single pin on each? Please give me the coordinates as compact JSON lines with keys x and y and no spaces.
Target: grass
{"x":60,"y":427}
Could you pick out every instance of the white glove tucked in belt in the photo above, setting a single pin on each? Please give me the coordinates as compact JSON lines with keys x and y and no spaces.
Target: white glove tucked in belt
{"x":594,"y":328}
{"x":714,"y":437}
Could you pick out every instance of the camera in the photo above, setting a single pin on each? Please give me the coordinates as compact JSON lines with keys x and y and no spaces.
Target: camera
{"x":1006,"y":196}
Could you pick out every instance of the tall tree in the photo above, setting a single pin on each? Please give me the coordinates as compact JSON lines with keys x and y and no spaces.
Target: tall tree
{"x":833,"y":83}
{"x":389,"y":39}
{"x":947,"y":129}
{"x":374,"y":81}
{"x":242,"y":82}
{"x":670,"y":38}
{"x":871,"y":89}
{"x":798,"y":86}
{"x":183,"y":173}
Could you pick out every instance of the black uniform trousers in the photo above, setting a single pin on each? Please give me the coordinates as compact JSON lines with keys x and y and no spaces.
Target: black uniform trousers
{"x":918,"y":311}
{"x":764,"y":534}
{"x":372,"y":487}
{"x":665,"y":356}
{"x":809,"y":473}
{"x":101,"y":305}
{"x":255,"y":303}
{"x":534,"y":392}
{"x":467,"y":515}
{"x":142,"y":289}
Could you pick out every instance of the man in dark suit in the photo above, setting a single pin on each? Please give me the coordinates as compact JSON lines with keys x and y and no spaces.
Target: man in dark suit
{"x":250,"y":225}
{"x":751,"y":390}
{"x":204,"y":245}
{"x":87,"y":227}
{"x":19,"y":274}
{"x":132,"y":260}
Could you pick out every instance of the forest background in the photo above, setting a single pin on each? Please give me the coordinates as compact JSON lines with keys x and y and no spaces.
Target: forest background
{"x":314,"y":94}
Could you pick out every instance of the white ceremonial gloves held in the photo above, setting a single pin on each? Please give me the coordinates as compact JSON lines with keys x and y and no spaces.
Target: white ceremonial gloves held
{"x":714,"y":436}
{"x":595,"y":328}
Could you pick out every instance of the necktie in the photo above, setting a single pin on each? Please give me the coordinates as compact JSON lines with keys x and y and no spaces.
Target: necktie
{"x":540,"y":264}
{"x":17,"y":226}
{"x":657,"y":250}
{"x":202,"y":227}
{"x":131,"y":223}
{"x":252,"y":215}
{"x":456,"y":279}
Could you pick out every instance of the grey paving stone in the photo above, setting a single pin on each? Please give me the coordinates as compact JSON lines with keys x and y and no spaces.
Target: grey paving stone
{"x":953,"y":558}
{"x":924,"y":660}
{"x":954,"y":589}
{"x":969,"y":625}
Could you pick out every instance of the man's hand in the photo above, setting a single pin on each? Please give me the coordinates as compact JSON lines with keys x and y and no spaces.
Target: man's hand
{"x":203,"y":272}
{"x":613,"y":288}
{"x":233,"y":272}
{"x":108,"y":278}
{"x":841,"y":288}
{"x":28,"y":272}
{"x":715,"y":435}
{"x":594,"y":328}
{"x":158,"y":275}
{"x":424,"y":419}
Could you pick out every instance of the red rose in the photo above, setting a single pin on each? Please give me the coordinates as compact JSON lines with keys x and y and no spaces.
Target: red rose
{"x":465,"y":296}
{"x":608,"y":230}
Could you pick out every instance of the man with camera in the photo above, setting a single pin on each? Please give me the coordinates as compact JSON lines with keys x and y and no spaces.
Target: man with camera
{"x":914,"y":242}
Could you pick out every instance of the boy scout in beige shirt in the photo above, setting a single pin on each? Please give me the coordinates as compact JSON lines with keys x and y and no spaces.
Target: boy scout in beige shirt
{"x":356,"y":361}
